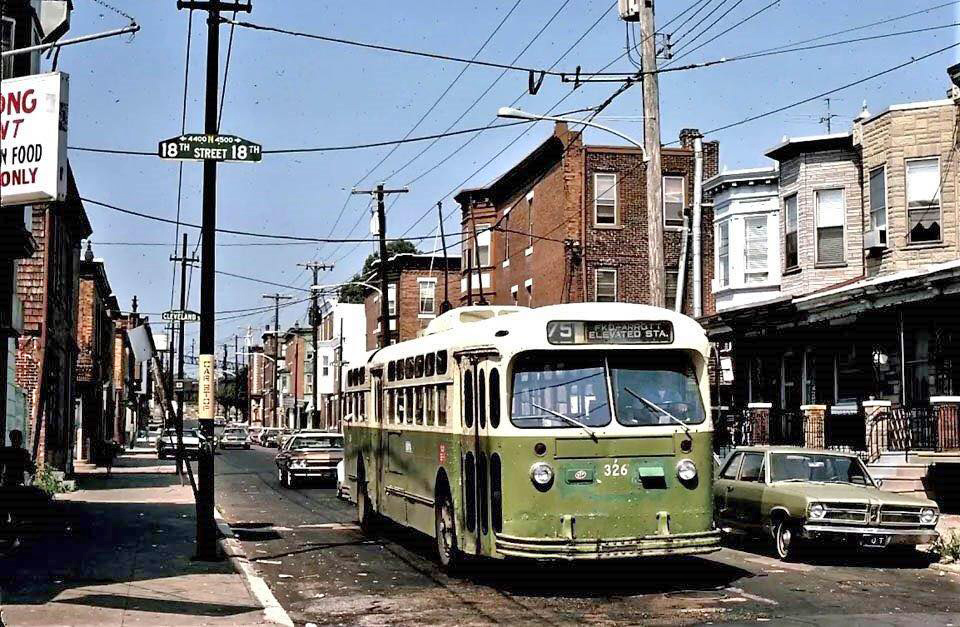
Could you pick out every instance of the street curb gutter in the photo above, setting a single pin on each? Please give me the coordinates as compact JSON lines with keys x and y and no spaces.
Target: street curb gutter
{"x":947,"y":568}
{"x":231,"y":547}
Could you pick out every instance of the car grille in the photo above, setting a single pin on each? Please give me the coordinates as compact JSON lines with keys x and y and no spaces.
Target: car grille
{"x":846,"y":512}
{"x":899,"y":515}
{"x":321,"y":464}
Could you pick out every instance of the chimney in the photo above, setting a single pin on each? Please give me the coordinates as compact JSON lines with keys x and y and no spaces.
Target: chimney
{"x":687,"y":136}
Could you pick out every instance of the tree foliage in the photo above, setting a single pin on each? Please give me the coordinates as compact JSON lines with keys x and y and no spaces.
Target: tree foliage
{"x":232,"y":391}
{"x":353,"y":293}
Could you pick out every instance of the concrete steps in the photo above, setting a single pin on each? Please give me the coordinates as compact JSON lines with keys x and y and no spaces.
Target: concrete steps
{"x":901,"y":476}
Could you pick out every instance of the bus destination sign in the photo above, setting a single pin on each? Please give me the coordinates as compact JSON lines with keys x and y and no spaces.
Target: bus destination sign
{"x":610,"y":332}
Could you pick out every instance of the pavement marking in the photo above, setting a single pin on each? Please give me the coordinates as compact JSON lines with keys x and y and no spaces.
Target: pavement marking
{"x":752,"y":597}
{"x":332,"y":526}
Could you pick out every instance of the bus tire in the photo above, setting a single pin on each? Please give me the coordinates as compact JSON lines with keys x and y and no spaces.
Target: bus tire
{"x":445,"y":533}
{"x":365,"y":514}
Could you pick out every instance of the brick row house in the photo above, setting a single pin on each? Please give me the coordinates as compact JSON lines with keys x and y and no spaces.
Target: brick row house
{"x":96,"y":329}
{"x":569,"y":224}
{"x":861,"y":345}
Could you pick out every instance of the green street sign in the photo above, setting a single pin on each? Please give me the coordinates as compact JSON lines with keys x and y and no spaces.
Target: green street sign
{"x":210,"y":148}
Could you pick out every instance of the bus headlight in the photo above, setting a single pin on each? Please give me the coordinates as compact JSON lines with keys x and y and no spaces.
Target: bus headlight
{"x":686,"y":470}
{"x":817,"y":510}
{"x":542,"y":475}
{"x":928,"y":515}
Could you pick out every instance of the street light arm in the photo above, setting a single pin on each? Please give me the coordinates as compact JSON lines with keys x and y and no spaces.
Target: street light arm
{"x":509,"y":112}
{"x":320,"y":288}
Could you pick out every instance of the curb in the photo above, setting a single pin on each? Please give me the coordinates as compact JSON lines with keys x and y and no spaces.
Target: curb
{"x":255,"y":584}
{"x":947,"y":568}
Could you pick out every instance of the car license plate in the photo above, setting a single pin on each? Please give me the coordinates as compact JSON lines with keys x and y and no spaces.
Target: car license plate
{"x":875,"y":541}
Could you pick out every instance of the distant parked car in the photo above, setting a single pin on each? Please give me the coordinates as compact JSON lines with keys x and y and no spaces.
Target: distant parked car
{"x":313,"y":456}
{"x":234,"y":437}
{"x":796,"y":496}
{"x":269,"y":437}
{"x":253,"y":434}
{"x":167,"y":443}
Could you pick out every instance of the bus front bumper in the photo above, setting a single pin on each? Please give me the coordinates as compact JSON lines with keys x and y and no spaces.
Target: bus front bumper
{"x":613,"y":548}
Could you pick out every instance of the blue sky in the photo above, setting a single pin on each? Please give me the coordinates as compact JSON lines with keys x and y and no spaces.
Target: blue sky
{"x":286,"y":92}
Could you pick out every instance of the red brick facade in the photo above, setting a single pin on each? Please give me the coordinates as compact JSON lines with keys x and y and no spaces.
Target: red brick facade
{"x":548,"y":245}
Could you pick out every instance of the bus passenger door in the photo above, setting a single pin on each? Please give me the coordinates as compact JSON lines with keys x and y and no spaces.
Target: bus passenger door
{"x":469,"y":536}
{"x":378,"y":441}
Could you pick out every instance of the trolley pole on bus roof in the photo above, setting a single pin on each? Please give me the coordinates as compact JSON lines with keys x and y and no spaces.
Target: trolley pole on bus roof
{"x":206,"y":525}
{"x":380,"y":192}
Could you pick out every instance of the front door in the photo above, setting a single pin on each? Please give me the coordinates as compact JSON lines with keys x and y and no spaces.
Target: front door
{"x":747,"y":494}
{"x":469,"y":462}
{"x":722,"y":488}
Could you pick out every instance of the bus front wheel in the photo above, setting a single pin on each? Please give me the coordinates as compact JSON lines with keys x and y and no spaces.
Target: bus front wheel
{"x":446,"y":534}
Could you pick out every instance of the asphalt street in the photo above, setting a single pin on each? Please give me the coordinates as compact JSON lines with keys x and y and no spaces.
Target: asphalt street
{"x":323,"y":570}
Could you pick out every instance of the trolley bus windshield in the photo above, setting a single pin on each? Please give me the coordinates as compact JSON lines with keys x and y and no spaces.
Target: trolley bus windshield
{"x":650,"y":388}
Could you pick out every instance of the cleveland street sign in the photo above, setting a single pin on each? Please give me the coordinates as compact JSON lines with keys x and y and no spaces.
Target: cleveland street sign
{"x":178,"y":315}
{"x":210,"y":148}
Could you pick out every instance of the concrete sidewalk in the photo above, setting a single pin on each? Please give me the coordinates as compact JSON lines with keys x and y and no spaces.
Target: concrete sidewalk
{"x":118,"y":553}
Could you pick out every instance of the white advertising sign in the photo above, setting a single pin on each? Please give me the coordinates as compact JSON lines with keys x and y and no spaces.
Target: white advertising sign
{"x":206,"y":391}
{"x":33,"y":139}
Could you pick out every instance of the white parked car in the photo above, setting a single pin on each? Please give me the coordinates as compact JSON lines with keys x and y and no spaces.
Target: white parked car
{"x":167,"y":443}
{"x":234,"y":437}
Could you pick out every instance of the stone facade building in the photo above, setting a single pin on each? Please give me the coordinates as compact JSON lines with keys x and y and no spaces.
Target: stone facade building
{"x":568,"y":223}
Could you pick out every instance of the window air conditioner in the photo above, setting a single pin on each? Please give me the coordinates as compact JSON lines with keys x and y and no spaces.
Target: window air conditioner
{"x":874,"y":240}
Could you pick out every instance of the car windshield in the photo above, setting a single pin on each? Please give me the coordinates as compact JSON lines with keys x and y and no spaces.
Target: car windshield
{"x":237,"y":432}
{"x":315,"y":442}
{"x":187,"y":433}
{"x":818,"y":467}
{"x":548,"y":387}
{"x":650,"y":387}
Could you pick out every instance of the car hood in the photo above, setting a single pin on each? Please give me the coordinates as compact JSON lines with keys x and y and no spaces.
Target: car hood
{"x":847,"y":492}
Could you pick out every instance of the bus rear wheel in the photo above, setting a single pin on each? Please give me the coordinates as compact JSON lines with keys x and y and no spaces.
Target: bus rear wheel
{"x":445,"y":533}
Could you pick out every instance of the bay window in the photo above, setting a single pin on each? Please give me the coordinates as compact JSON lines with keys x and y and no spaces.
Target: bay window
{"x":755,"y":250}
{"x":878,"y":203}
{"x":723,"y":253}
{"x":790,"y":238}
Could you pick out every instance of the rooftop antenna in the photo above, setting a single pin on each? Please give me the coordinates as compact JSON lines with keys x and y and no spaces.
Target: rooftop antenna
{"x":828,"y":117}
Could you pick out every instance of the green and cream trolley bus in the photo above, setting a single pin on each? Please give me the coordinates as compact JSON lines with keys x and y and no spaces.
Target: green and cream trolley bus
{"x":576,"y":431}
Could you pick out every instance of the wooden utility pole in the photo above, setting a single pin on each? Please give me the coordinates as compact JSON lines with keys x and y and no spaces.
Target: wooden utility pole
{"x":206,"y":525}
{"x":651,"y":137}
{"x":380,"y":192}
{"x":276,"y":298}
{"x":315,"y":323}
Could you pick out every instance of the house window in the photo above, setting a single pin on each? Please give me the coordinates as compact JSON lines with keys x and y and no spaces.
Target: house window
{"x":392,"y":299}
{"x":606,"y":285}
{"x":308,"y":383}
{"x":506,"y":237}
{"x":755,"y":250}
{"x":6,"y":43}
{"x":326,"y":365}
{"x":528,"y":285}
{"x":483,"y":233}
{"x":670,"y":290}
{"x":723,"y":253}
{"x":605,"y":199}
{"x":923,"y":200}
{"x":878,"y":202}
{"x":790,"y":246}
{"x":530,"y":220}
{"x":830,"y":214}
{"x":673,"y":200}
{"x":428,"y":292}
{"x":514,"y":291}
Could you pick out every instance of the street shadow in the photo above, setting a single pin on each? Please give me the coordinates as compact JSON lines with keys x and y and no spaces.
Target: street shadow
{"x":86,"y":544}
{"x":130,"y":480}
{"x":255,"y":531}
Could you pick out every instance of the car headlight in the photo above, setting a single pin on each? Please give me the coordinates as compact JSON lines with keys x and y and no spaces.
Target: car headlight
{"x":928,"y":515}
{"x":817,"y":510}
{"x":542,"y":475}
{"x":686,"y":470}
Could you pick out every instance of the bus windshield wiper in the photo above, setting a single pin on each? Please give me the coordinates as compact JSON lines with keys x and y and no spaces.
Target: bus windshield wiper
{"x":686,"y":428}
{"x":593,"y":436}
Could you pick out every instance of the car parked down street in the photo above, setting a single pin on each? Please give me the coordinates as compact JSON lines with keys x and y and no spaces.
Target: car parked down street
{"x":167,"y":443}
{"x":796,"y":497}
{"x":313,"y":456}
{"x":234,"y":437}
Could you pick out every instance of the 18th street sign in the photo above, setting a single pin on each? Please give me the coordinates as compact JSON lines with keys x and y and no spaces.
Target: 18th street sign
{"x":178,"y":315}
{"x":210,"y":148}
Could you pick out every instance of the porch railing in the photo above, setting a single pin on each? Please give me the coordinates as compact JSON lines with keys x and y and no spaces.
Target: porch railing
{"x":903,"y":430}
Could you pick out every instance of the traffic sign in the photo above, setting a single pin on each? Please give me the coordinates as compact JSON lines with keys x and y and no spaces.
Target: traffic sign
{"x":178,"y":315}
{"x":210,"y":148}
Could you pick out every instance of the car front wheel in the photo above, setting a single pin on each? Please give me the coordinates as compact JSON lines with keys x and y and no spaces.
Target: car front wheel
{"x":786,"y":541}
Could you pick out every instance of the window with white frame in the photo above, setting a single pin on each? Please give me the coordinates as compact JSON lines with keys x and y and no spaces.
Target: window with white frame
{"x":673,"y":200}
{"x":923,"y":200}
{"x":723,"y":253}
{"x":878,"y":202}
{"x":606,"y":285}
{"x":483,"y":233}
{"x":6,"y":43}
{"x":755,"y":250}
{"x":830,"y":217}
{"x":514,"y":294}
{"x":326,"y":366}
{"x":528,"y":285}
{"x":605,"y":198}
{"x":308,"y":383}
{"x":791,"y":248}
{"x":428,"y":296}
{"x":392,"y":299}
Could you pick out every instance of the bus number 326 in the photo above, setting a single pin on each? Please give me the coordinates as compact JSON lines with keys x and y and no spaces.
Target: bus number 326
{"x":615,"y":470}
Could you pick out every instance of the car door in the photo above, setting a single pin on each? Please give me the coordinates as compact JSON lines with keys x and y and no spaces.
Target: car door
{"x":723,"y":486}
{"x":747,"y":493}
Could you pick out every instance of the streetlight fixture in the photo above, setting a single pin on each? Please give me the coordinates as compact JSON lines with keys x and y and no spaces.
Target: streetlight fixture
{"x":322,"y":288}
{"x":518,"y":114}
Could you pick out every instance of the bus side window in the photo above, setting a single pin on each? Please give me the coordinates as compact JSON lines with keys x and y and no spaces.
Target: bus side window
{"x":441,"y":362}
{"x":391,"y":416}
{"x":482,"y":399}
{"x":419,"y":396}
{"x":468,"y":399}
{"x":442,"y":406}
{"x":409,"y":405}
{"x":429,"y":401}
{"x":494,"y":399}
{"x":400,"y":406}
